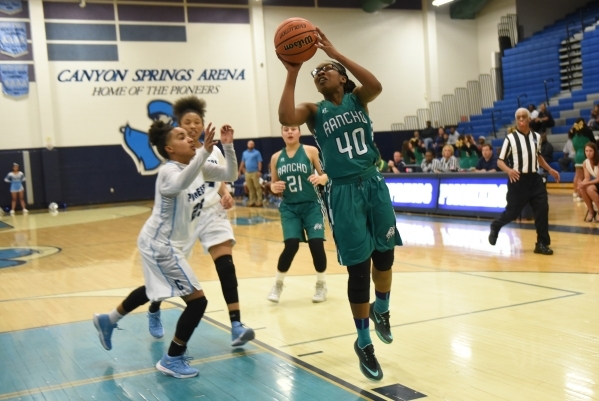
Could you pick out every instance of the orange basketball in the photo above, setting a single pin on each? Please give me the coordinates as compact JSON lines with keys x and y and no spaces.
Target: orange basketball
{"x":295,"y":39}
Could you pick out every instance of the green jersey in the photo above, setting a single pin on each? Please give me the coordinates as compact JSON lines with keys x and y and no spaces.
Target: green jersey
{"x":345,"y":137}
{"x":295,"y":172}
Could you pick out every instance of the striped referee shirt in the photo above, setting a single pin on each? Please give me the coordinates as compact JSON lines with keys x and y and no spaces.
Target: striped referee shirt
{"x":524,"y":151}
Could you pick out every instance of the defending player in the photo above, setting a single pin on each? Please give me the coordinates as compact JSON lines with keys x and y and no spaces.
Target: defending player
{"x":301,"y":209}
{"x":212,"y":227}
{"x":166,"y":271}
{"x":358,"y":201}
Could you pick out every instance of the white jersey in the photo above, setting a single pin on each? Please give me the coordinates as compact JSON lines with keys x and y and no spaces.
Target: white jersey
{"x":177,"y":203}
{"x":212,"y":197}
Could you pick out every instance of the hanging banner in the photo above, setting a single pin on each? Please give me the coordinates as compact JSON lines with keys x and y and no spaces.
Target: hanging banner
{"x":15,"y":79}
{"x":13,"y":38}
{"x":11,"y":7}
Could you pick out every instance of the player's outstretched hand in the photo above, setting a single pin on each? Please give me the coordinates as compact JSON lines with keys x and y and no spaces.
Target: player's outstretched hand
{"x":555,"y":175}
{"x":291,"y":67}
{"x":325,"y":45}
{"x":226,"y":134}
{"x":227,"y":201}
{"x":277,"y":187}
{"x":209,"y":141}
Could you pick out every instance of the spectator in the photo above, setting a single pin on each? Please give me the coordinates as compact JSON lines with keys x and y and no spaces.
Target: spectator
{"x":533,"y":111}
{"x":453,"y":136}
{"x":428,"y":135}
{"x":449,"y":162}
{"x":468,"y":145}
{"x":407,"y":152}
{"x":481,"y":142}
{"x":430,"y":164}
{"x":439,"y":142}
{"x":582,"y":134}
{"x":569,"y":153}
{"x":416,"y":135}
{"x":594,"y":121}
{"x":251,"y":164}
{"x":397,"y":165}
{"x":546,"y":149}
{"x":380,"y":163}
{"x":589,"y":187}
{"x":487,"y":163}
{"x":419,"y":150}
{"x":543,"y":121}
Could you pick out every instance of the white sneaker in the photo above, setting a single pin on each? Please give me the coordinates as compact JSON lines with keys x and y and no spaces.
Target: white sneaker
{"x":575,"y":195}
{"x":275,"y":293}
{"x":320,"y":295}
{"x":579,"y":199}
{"x":12,"y":212}
{"x":25,"y":211}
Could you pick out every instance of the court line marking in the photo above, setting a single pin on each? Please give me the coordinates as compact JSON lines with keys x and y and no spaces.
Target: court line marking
{"x":83,"y":382}
{"x":311,"y":353}
{"x":439,"y":318}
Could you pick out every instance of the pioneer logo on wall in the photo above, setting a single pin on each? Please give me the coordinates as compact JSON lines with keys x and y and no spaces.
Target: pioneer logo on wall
{"x":137,"y":143}
{"x":152,"y":82}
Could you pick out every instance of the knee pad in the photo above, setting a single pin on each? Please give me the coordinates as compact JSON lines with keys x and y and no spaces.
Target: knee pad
{"x":136,"y":298}
{"x":383,"y":260}
{"x":228,"y":279}
{"x":291,"y":248}
{"x":319,"y":257}
{"x":190,"y":318}
{"x":358,"y":283}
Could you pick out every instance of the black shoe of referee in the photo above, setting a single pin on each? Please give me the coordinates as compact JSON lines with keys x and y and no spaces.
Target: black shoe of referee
{"x":493,"y":236}
{"x":543,"y":249}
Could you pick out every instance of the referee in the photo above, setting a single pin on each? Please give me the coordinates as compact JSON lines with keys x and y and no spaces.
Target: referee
{"x":526,"y":185}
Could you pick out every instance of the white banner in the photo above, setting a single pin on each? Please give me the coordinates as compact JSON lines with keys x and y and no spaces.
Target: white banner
{"x":13,"y":38}
{"x":11,"y":7}
{"x":15,"y":79}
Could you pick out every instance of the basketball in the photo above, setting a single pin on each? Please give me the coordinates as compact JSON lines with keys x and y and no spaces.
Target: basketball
{"x":295,"y":40}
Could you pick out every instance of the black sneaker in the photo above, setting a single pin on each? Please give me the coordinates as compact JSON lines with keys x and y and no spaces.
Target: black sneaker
{"x":543,"y":249}
{"x":493,"y":236}
{"x":368,"y":364}
{"x":381,"y":325}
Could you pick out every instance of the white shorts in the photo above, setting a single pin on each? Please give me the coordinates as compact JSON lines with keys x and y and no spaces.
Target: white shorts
{"x":166,"y":271}
{"x":213,"y":228}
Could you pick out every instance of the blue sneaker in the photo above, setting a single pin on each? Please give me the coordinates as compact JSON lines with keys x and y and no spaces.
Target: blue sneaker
{"x":156,"y":329}
{"x":104,"y":327}
{"x":177,"y":366}
{"x":241,"y":334}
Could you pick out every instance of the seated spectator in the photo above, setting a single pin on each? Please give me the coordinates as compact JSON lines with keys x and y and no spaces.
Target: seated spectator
{"x":407,"y":152}
{"x":533,"y":111}
{"x":565,"y":162}
{"x":419,"y":149}
{"x":594,"y":121}
{"x":396,"y":165}
{"x":589,"y":186}
{"x":439,"y":142}
{"x":416,"y":135}
{"x":481,"y":142}
{"x":430,"y":164}
{"x":546,"y":149}
{"x":487,"y":163}
{"x":453,"y":136}
{"x":543,"y":121}
{"x":428,"y":135}
{"x":468,"y":145}
{"x":449,"y":162}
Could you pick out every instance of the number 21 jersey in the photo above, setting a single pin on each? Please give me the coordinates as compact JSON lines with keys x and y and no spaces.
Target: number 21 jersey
{"x":345,"y":137}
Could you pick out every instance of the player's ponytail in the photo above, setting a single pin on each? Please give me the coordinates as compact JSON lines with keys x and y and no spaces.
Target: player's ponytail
{"x":158,"y":134}
{"x":349,"y":85}
{"x":189,"y":104}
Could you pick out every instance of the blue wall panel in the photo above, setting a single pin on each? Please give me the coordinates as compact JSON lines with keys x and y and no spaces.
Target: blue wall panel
{"x":68,"y":52}
{"x":152,"y":33}
{"x":58,"y":31}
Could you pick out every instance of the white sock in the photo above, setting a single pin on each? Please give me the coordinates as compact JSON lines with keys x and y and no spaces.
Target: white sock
{"x":114,"y":317}
{"x":280,"y":276}
{"x":321,"y":276}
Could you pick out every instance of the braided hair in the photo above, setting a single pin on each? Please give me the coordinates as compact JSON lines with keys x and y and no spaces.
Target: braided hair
{"x":158,"y":134}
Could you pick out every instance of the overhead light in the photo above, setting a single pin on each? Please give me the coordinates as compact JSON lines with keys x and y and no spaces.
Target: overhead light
{"x":441,"y":2}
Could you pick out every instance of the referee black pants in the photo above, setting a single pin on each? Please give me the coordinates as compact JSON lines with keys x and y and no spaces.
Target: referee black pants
{"x":529,"y":188}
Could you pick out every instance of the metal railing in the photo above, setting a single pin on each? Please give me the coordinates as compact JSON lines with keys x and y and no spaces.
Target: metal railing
{"x":450,"y":110}
{"x":474,"y":96}
{"x":497,"y":78}
{"x":463,"y":104}
{"x":398,"y":127}
{"x":436,"y":111}
{"x":424,"y":115}
{"x":411,"y":122}
{"x":487,"y":90}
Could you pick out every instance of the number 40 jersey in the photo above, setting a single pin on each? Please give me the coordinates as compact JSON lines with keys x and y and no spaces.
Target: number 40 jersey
{"x":345,"y":137}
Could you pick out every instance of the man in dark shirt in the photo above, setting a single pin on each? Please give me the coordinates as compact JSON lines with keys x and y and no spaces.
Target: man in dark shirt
{"x":397,"y":165}
{"x":546,"y":149}
{"x":487,"y":163}
{"x":428,"y":135}
{"x":543,"y":121}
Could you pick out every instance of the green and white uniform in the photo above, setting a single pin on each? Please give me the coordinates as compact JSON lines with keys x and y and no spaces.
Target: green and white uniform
{"x":358,"y":201}
{"x":301,"y":209}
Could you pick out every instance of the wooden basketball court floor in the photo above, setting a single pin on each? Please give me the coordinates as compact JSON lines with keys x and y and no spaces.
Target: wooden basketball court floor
{"x":470,"y":321}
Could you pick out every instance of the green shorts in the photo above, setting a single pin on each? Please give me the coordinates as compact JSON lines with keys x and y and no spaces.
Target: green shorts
{"x":362,"y":217}
{"x":299,"y":219}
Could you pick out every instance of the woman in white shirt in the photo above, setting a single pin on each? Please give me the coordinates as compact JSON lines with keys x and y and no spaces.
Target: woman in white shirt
{"x":16,"y":179}
{"x":589,"y":187}
{"x":164,"y":235}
